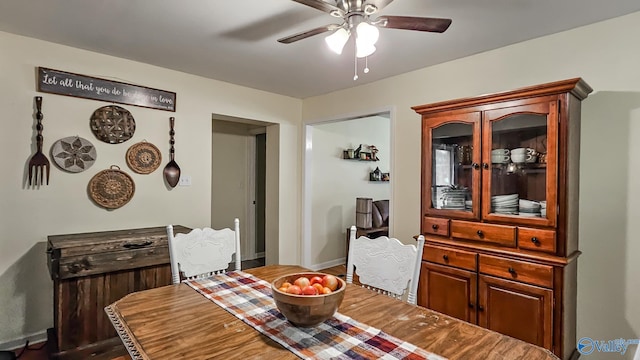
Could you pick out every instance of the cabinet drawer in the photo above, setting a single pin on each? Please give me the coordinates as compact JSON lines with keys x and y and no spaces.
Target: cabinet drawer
{"x":503,"y":235}
{"x":453,"y":257}
{"x":527,"y":272}
{"x":435,"y":226}
{"x":78,"y":266}
{"x":536,"y":239}
{"x":77,"y":255}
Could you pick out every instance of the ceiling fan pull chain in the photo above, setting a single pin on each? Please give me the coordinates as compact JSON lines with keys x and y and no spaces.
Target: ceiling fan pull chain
{"x":355,"y":67}
{"x":366,"y":65}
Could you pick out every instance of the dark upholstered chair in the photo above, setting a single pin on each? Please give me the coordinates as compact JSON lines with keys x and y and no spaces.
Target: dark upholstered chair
{"x":380,"y":213}
{"x":379,"y":223}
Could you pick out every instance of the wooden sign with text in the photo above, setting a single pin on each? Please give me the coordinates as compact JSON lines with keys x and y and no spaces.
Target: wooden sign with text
{"x":76,"y":85}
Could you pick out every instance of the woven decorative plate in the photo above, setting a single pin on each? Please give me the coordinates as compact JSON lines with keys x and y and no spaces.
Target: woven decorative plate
{"x":73,"y":154}
{"x":143,"y":157}
{"x":111,"y":188}
{"x":113,"y":124}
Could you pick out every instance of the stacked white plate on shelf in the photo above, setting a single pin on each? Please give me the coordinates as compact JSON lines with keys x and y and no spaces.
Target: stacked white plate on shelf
{"x":543,"y":209}
{"x":454,"y":198}
{"x":529,"y":208}
{"x":505,"y":204}
{"x":468,"y":205}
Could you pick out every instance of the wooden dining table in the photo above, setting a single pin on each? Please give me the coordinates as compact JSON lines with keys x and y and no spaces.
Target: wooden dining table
{"x":177,"y":322}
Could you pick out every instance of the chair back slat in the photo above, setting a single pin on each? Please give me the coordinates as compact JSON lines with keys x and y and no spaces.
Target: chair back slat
{"x":203,"y":252}
{"x":385,"y":265}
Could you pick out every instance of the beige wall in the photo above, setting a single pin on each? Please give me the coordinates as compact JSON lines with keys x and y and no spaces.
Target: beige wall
{"x":607,"y":56}
{"x":229,"y":174}
{"x":29,"y":215}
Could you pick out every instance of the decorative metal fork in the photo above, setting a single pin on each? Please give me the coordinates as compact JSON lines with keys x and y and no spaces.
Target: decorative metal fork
{"x":39,"y":163}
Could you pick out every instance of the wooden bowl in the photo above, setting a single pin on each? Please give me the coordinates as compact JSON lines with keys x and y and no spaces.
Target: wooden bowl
{"x":307,"y":310}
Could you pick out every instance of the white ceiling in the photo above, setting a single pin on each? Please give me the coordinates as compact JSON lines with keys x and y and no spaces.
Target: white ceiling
{"x":235,"y":40}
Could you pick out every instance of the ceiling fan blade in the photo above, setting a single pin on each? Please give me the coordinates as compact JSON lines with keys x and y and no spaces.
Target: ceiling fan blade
{"x":413,"y":23}
{"x":322,"y":6}
{"x":308,"y":33}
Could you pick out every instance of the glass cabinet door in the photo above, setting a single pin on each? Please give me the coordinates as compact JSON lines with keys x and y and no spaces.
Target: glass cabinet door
{"x":453,"y":184}
{"x":519,"y":162}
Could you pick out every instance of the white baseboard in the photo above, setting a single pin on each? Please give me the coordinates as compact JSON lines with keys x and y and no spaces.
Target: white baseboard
{"x":328,"y":264}
{"x":253,"y":256}
{"x":35,"y":338}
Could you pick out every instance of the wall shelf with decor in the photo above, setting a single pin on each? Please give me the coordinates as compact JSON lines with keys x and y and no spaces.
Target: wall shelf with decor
{"x":378,"y":176}
{"x":361,"y":153}
{"x":360,"y":159}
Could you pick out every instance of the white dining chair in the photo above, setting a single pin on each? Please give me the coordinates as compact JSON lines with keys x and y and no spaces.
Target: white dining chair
{"x":385,"y":265}
{"x":203,"y":252}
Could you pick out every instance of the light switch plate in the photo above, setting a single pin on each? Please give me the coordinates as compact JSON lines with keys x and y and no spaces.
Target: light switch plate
{"x":185,"y":180}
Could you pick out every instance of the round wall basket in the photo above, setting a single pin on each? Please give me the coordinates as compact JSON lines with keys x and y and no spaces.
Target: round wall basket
{"x":113,"y":124}
{"x":111,"y":188}
{"x":143,"y":157}
{"x":73,"y":154}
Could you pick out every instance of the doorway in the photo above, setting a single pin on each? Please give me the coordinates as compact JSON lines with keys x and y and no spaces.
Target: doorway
{"x":331,"y":183}
{"x":238,"y":184}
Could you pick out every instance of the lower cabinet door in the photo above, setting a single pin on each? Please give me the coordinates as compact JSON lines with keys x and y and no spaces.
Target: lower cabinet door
{"x":448,"y":290}
{"x":519,"y":310}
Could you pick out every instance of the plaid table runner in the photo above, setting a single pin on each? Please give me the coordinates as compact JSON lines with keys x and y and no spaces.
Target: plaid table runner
{"x":341,"y":337}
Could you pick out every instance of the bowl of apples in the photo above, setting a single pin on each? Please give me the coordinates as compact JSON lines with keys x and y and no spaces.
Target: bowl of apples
{"x":306,"y":299}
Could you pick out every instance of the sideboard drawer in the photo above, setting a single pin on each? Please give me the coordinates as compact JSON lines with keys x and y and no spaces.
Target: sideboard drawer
{"x":452,"y":257}
{"x":83,"y":254}
{"x":503,"y":235}
{"x":536,"y":239}
{"x":435,"y":226}
{"x":100,"y":263}
{"x":527,"y":272}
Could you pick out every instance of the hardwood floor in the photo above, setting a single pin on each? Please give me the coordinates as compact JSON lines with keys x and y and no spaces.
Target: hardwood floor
{"x":39,"y":351}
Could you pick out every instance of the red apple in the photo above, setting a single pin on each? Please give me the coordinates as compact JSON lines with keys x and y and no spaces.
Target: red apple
{"x":318,"y":287}
{"x":294,"y":289}
{"x":330,"y":281}
{"x":302,"y":282}
{"x":315,"y":280}
{"x":309,"y":290}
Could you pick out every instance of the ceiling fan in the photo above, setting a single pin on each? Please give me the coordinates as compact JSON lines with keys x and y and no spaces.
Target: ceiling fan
{"x":356,"y":18}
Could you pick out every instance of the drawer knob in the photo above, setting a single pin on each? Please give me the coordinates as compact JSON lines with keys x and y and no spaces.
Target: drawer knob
{"x":74,"y":268}
{"x":137,"y":245}
{"x":434,"y":227}
{"x":535,"y":240}
{"x":476,"y":166}
{"x":480,"y":233}
{"x":445,"y":257}
{"x":485,"y":166}
{"x":480,"y":308}
{"x":471,"y":305}
{"x":512,"y":271}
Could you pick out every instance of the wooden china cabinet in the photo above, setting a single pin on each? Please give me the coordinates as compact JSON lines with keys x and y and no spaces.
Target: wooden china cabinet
{"x":499,"y":211}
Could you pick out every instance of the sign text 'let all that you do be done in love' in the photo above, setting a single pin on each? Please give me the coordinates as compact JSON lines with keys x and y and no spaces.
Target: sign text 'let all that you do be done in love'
{"x":76,"y":85}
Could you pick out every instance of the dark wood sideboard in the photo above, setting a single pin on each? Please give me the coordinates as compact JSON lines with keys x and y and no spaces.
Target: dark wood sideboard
{"x":92,"y":270}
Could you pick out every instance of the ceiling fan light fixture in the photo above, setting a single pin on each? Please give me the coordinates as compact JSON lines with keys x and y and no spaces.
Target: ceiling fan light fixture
{"x":337,"y":40}
{"x":367,"y":33}
{"x":364,"y":49}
